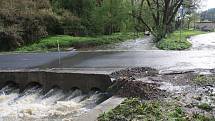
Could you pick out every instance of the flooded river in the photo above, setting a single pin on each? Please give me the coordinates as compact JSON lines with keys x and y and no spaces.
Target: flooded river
{"x":33,"y":105}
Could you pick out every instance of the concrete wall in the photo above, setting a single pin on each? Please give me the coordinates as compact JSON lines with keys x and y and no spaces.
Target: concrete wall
{"x":205,"y":26}
{"x":49,"y":79}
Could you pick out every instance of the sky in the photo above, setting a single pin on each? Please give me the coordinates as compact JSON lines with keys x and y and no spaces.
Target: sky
{"x":207,"y":4}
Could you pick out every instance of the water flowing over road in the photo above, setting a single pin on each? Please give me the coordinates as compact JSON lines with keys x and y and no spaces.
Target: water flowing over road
{"x":162,"y":60}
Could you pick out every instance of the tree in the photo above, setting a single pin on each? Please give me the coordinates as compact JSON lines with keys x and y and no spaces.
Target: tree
{"x":162,"y":13}
{"x":191,"y":7}
{"x":110,"y":16}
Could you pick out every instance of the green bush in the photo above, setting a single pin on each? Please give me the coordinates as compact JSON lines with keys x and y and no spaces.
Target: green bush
{"x":23,"y":25}
{"x":10,"y":38}
{"x":174,"y":42}
{"x":203,"y":80}
{"x":134,"y":110}
{"x":205,"y":106}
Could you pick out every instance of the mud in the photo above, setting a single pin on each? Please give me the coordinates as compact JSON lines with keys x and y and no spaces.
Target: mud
{"x":193,"y":90}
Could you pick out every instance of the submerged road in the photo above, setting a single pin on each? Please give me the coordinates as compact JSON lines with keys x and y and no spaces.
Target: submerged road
{"x":118,"y":58}
{"x":162,"y":60}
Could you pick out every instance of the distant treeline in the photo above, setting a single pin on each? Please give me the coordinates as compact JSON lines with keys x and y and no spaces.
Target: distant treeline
{"x":26,"y":21}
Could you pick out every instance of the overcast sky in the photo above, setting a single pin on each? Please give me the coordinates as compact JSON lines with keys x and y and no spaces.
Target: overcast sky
{"x":207,"y":4}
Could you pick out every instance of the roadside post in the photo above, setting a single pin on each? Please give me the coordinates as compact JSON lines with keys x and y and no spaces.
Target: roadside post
{"x":181,"y":16}
{"x":59,"y":55}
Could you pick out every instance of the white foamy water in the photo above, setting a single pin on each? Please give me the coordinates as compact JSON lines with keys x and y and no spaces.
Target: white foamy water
{"x":32,"y":105}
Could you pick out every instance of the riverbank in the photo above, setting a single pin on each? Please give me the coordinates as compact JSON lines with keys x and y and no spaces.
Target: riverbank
{"x":181,"y":96}
{"x":174,"y":42}
{"x":67,"y":42}
{"x":135,"y":110}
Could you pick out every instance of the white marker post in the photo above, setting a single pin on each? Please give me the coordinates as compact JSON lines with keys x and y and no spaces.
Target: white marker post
{"x":59,"y":55}
{"x":181,"y":15}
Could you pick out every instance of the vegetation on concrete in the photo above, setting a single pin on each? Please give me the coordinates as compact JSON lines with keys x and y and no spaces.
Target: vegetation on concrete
{"x":65,"y":41}
{"x":205,"y":106}
{"x":133,"y":110}
{"x":174,"y":42}
{"x":204,"y":80}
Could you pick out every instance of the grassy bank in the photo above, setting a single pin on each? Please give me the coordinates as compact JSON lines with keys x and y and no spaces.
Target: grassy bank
{"x":66,"y":41}
{"x":173,"y":42}
{"x":134,"y":110}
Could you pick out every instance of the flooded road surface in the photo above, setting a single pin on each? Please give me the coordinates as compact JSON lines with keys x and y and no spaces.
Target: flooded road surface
{"x":203,"y":42}
{"x":162,"y":60}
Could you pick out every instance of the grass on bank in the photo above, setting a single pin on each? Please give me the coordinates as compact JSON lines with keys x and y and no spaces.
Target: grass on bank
{"x":173,"y":42}
{"x":66,"y":41}
{"x":205,"y":106}
{"x":134,"y":110}
{"x":204,"y":80}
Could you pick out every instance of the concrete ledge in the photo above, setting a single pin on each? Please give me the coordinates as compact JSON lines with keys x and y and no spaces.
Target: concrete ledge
{"x":106,"y":106}
{"x":63,"y":79}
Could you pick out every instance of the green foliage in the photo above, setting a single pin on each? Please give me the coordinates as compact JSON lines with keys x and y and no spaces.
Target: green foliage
{"x":79,"y":8}
{"x":24,"y":25}
{"x":198,"y":117}
{"x":74,"y":14}
{"x":113,"y":17}
{"x":10,"y":38}
{"x":203,"y":80}
{"x":24,"y":22}
{"x":135,"y":110}
{"x":106,"y":17}
{"x":66,"y":41}
{"x":205,"y":106}
{"x":173,"y":42}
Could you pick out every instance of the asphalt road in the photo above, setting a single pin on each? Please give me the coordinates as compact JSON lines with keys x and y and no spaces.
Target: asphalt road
{"x":29,"y":60}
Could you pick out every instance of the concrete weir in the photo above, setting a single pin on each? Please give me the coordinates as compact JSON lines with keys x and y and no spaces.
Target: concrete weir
{"x":49,"y":79}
